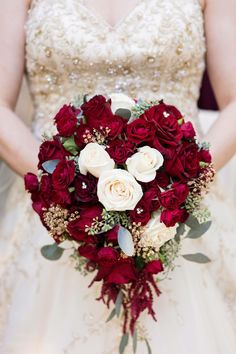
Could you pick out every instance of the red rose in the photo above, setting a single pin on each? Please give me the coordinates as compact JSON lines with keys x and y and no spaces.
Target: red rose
{"x":161,"y":109}
{"x":123,"y":273}
{"x":66,"y":120}
{"x":31,"y":182}
{"x":171,"y":217}
{"x":78,"y":235}
{"x":63,"y":174}
{"x":120,"y":150}
{"x":143,"y":211}
{"x":111,"y":235}
{"x":140,"y":130}
{"x":162,"y":178}
{"x":107,"y":254}
{"x":61,"y":197}
{"x":51,"y":150}
{"x":154,"y":267}
{"x":86,"y":218}
{"x":183,"y":163}
{"x":174,"y":197}
{"x":83,"y":134}
{"x":188,"y":130}
{"x":46,"y":188}
{"x":46,"y":184}
{"x":152,"y":194}
{"x":168,"y":132}
{"x":205,"y":156}
{"x":117,"y":272}
{"x":85,"y":188}
{"x":97,"y":110}
{"x":89,"y":252}
{"x":115,"y":125}
{"x":38,"y":204}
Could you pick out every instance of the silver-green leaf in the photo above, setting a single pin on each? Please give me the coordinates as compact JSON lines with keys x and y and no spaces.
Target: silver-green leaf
{"x":197,"y":258}
{"x":50,"y":165}
{"x":180,"y":231}
{"x":135,"y":341}
{"x":192,"y":222}
{"x":125,"y":241}
{"x":124,"y":113}
{"x":199,"y":231}
{"x":123,"y":343}
{"x":112,"y":314}
{"x":52,"y":252}
{"x":118,"y":303}
{"x":148,"y":347}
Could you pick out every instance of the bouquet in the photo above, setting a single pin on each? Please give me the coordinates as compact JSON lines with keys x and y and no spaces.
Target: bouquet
{"x":123,"y":182}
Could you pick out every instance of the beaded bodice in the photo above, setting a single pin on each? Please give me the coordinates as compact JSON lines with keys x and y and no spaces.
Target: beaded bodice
{"x":157,"y":51}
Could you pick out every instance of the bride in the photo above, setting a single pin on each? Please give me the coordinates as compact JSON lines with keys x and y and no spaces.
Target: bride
{"x":144,"y":48}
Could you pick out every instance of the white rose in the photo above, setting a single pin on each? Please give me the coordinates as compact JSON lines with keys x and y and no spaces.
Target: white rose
{"x":156,"y":234}
{"x":94,"y":159}
{"x":144,"y":163}
{"x":119,"y":101}
{"x":118,"y":190}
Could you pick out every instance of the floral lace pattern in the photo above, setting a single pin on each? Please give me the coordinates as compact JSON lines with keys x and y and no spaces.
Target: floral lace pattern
{"x":72,"y":51}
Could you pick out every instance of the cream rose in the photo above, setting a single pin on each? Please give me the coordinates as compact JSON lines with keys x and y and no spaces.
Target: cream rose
{"x":156,"y":234}
{"x":144,"y":163}
{"x":95,"y":160}
{"x":118,"y":190}
{"x":121,"y":101}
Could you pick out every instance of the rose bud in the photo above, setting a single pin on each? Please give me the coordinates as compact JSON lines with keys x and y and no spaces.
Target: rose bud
{"x":66,"y":120}
{"x":31,"y":182}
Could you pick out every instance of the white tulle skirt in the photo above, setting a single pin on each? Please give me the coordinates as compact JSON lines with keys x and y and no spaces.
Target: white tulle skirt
{"x":47,"y":308}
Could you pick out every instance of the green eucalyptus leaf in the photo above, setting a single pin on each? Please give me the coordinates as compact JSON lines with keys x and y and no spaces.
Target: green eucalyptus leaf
{"x":203,"y":164}
{"x":135,"y":341}
{"x":139,"y":262}
{"x":148,"y":346}
{"x":199,"y":231}
{"x":197,"y":258}
{"x":124,"y":113}
{"x":50,"y":165}
{"x":118,"y":303}
{"x":180,"y":231}
{"x":192,"y":222}
{"x":123,"y":343}
{"x":86,"y":98}
{"x":70,"y":145}
{"x":52,"y":252}
{"x":180,"y":121}
{"x":112,"y":314}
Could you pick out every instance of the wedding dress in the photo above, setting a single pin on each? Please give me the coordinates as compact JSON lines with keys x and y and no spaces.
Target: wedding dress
{"x":156,"y":51}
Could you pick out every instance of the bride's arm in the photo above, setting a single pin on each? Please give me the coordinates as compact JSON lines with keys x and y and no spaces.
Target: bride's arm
{"x":220,"y":23}
{"x":17,"y":144}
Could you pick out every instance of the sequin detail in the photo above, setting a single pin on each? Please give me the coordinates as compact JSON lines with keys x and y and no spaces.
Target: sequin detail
{"x":71,"y":51}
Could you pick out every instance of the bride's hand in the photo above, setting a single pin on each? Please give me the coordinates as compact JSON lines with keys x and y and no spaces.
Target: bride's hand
{"x":220,"y":25}
{"x":17,"y":145}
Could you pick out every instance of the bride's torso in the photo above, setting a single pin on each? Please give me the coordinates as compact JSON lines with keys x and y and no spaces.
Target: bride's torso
{"x":156,"y":51}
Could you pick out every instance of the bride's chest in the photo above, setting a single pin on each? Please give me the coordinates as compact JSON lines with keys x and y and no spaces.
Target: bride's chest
{"x":65,"y":34}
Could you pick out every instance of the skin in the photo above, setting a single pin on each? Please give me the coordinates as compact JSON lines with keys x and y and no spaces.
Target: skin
{"x":19,"y":148}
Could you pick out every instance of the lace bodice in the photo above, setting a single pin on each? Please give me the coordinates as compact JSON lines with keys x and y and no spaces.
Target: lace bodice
{"x":157,"y":51}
